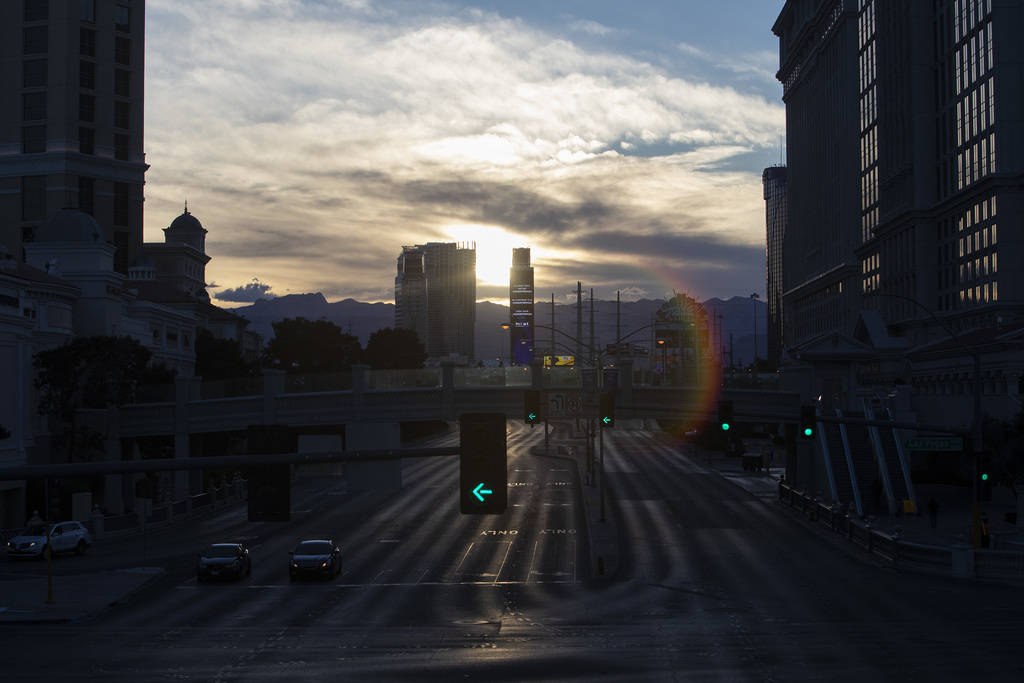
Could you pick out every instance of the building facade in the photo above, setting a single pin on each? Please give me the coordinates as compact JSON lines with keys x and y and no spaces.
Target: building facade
{"x":776,"y":207}
{"x":435,"y":296}
{"x":71,"y":119}
{"x":521,"y":307}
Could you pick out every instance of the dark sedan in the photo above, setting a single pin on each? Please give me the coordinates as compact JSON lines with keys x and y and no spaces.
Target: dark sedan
{"x":319,"y":558}
{"x":224,"y":560}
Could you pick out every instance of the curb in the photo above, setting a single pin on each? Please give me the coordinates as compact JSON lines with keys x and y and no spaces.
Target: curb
{"x":27,"y":616}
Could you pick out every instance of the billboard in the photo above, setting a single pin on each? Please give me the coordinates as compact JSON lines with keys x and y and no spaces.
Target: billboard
{"x":520,"y":294}
{"x":559,"y":361}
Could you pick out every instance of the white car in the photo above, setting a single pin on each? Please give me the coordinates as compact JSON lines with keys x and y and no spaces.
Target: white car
{"x":64,"y":537}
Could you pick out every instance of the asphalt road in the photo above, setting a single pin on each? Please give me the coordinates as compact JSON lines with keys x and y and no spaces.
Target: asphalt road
{"x":713,"y":584}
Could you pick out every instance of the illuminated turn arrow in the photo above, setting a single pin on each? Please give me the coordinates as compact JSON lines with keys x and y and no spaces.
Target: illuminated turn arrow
{"x":606,"y":420}
{"x":532,"y":416}
{"x":481,"y":492}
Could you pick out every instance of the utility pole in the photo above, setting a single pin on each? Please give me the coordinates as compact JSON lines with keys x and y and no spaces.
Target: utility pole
{"x":579,"y":320}
{"x":593,"y":360}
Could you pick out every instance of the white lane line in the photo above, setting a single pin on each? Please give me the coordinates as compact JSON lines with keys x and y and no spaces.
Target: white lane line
{"x":459,"y":566}
{"x":533,"y":558}
{"x":422,"y":575}
{"x":503,"y":560}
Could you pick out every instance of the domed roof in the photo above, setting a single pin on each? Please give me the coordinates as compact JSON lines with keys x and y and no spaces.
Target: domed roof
{"x":186,"y":222}
{"x":70,"y":225}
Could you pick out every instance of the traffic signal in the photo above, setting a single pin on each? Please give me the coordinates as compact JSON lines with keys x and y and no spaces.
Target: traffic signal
{"x":607,"y":414}
{"x":483,"y":472}
{"x":531,"y":406}
{"x":985,"y":477}
{"x":808,"y":422}
{"x":725,"y":415}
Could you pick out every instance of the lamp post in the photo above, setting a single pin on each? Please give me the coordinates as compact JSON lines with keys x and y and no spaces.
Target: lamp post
{"x":976,"y":435}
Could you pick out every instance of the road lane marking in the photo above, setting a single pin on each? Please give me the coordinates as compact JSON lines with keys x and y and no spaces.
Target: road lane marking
{"x":533,"y":559}
{"x":503,"y":560}
{"x":459,"y":566}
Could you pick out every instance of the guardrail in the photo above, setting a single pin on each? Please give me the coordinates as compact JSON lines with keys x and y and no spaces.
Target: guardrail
{"x":957,"y":561}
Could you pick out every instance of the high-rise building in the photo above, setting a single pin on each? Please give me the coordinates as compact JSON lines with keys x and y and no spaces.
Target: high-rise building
{"x":520,"y":296}
{"x":71,"y":118}
{"x":774,"y":181}
{"x":435,"y":295}
{"x":932,"y":90}
{"x":818,"y":70}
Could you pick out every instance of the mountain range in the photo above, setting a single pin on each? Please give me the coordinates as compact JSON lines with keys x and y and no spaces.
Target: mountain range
{"x":734,"y":316}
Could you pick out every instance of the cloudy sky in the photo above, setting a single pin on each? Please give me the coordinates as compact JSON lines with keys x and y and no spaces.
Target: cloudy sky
{"x":622,"y":142}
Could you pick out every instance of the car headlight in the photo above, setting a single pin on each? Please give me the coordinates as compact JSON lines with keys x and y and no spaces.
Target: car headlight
{"x":295,"y":565}
{"x":32,"y":544}
{"x":323,"y":565}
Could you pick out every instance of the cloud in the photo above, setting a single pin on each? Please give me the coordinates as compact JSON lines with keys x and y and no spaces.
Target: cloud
{"x":254,"y":291}
{"x":590,"y":27}
{"x":317,"y":140}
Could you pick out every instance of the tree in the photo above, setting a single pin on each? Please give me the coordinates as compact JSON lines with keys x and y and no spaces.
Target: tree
{"x":394,"y":349}
{"x":303,"y":346}
{"x":221,"y":358}
{"x":90,"y":372}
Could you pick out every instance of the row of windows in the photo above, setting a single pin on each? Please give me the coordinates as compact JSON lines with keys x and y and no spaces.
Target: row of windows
{"x":976,"y":112}
{"x":868,"y":108}
{"x":968,"y":14}
{"x":33,"y":141}
{"x":976,"y":162}
{"x":947,"y":385}
{"x":869,"y":188}
{"x":33,"y":199}
{"x":865,"y":22}
{"x":973,"y":59}
{"x":868,"y":147}
{"x":867,"y":66}
{"x":980,"y":294}
{"x":39,"y":10}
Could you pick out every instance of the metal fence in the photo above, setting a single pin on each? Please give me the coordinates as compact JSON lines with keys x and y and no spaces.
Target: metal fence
{"x":960,"y":561}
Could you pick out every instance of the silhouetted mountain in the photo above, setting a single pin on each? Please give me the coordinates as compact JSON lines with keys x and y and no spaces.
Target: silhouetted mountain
{"x":362,"y":319}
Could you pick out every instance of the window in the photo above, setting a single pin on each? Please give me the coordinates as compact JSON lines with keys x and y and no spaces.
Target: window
{"x":35,"y":40}
{"x":87,"y":42}
{"x":86,"y":140}
{"x":33,"y":197}
{"x":122,"y":204}
{"x":122,"y":18}
{"x":122,"y":147}
{"x":87,"y":11}
{"x":122,"y":114}
{"x":86,"y":194}
{"x":87,"y":75}
{"x":33,"y":73}
{"x":37,"y":10}
{"x":33,"y":139}
{"x":33,"y":106}
{"x":123,"y":51}
{"x":86,"y":107}
{"x":122,"y":82}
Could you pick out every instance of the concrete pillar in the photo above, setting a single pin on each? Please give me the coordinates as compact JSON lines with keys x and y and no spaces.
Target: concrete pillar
{"x":273,"y":386}
{"x":186,"y":389}
{"x":113,"y":495}
{"x":321,"y":443}
{"x":381,"y":474}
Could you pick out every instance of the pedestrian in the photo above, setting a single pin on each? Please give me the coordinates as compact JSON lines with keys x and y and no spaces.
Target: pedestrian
{"x":986,"y":531}
{"x":933,"y":511}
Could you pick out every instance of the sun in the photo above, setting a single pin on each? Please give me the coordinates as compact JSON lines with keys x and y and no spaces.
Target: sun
{"x":494,"y":247}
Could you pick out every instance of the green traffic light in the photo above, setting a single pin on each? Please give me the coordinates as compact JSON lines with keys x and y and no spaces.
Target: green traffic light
{"x":984,"y":476}
{"x":725,"y":426}
{"x":808,"y":431}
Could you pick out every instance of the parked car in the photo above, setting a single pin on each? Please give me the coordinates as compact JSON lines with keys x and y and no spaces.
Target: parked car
{"x":64,"y":537}
{"x":320,"y":558}
{"x":224,"y":560}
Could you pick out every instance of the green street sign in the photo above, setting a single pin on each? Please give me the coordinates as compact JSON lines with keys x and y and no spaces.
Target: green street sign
{"x":934,"y":443}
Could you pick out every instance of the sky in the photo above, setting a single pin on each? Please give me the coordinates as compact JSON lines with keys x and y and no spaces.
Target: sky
{"x":622,"y":142}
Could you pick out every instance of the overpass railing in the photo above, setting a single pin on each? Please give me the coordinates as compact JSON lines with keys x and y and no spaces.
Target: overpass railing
{"x":958,"y":560}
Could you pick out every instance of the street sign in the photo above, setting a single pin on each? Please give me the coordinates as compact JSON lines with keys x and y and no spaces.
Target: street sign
{"x":934,"y":443}
{"x":564,"y":404}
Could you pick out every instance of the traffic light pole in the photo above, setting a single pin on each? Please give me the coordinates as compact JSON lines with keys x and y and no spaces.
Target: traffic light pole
{"x":601,"y":473}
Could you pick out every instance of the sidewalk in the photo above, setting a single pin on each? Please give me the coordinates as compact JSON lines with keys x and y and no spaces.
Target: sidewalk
{"x":76,"y":597}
